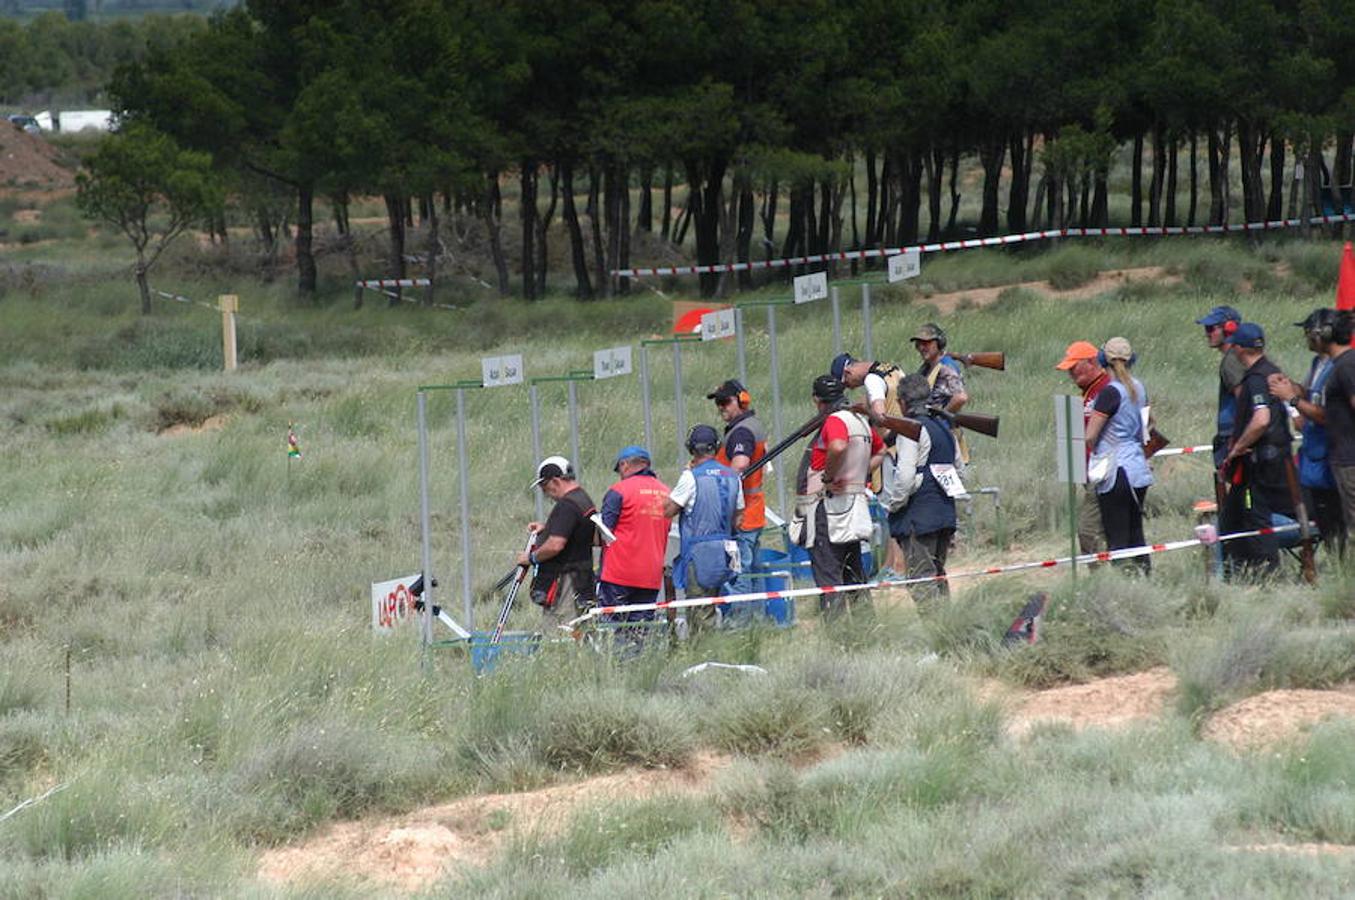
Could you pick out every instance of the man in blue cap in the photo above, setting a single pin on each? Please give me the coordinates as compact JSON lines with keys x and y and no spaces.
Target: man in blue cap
{"x":1220,"y":323}
{"x":709,"y":499}
{"x":1254,"y":465}
{"x":632,"y":565}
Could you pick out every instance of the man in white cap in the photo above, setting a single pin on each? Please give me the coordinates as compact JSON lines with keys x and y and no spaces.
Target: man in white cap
{"x":563,"y":553}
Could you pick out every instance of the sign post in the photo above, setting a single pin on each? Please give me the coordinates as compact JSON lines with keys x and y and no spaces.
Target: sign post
{"x":1070,"y":456}
{"x":905,"y":265}
{"x":426,"y":625}
{"x":230,"y":305}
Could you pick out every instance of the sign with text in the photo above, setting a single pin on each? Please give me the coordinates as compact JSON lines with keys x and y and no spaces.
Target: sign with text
{"x":611,"y":362}
{"x":811,"y":287}
{"x":1070,"y":439}
{"x":718,"y":324}
{"x":906,"y":265}
{"x":392,"y":603}
{"x":498,"y":371}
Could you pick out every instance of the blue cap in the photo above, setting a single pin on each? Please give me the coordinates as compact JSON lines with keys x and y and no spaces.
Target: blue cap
{"x":702,"y":437}
{"x":1218,"y":315}
{"x":1250,"y":336}
{"x":840,"y":364}
{"x":634,"y":451}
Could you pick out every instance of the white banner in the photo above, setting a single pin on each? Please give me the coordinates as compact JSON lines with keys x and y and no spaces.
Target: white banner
{"x":498,"y":371}
{"x":905,"y":265}
{"x":611,"y":362}
{"x":811,"y":287}
{"x":718,"y":324}
{"x":391,"y":603}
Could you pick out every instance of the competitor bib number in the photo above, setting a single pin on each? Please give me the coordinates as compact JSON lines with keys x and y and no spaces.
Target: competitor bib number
{"x":949,"y":479}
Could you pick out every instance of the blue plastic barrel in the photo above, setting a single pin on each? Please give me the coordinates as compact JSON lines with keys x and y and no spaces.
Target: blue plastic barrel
{"x":484,"y":655}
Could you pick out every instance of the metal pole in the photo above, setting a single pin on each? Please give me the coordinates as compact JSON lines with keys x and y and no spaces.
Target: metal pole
{"x":775,"y":364}
{"x":574,"y":429}
{"x":867,"y":348}
{"x":535,"y":395}
{"x":837,"y":320}
{"x":679,"y":404}
{"x":1072,"y":485}
{"x":644,"y":396}
{"x":740,"y":350}
{"x":463,"y":473}
{"x":426,"y":629}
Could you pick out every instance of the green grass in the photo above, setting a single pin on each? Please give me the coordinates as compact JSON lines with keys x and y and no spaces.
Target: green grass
{"x":226,"y":693}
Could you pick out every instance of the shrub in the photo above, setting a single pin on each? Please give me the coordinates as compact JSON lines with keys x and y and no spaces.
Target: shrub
{"x":610,"y":729}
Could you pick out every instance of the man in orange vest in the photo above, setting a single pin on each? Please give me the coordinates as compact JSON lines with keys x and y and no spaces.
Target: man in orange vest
{"x":745,"y":443}
{"x":632,"y":565}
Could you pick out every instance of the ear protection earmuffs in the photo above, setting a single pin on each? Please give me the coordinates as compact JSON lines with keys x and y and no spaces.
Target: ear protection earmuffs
{"x":1229,"y":327}
{"x":1105,"y":363}
{"x":745,"y":400}
{"x":1323,"y":327}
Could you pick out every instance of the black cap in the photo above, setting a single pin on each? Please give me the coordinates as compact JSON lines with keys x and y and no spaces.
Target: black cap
{"x":702,"y":437}
{"x":828,"y":389}
{"x":730,"y":390}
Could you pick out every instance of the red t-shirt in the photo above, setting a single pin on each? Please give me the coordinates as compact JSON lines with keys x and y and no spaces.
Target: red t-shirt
{"x":834,"y":429}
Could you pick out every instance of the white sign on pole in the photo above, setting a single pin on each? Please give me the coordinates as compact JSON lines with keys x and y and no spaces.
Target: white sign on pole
{"x":392,"y":603}
{"x":611,"y":362}
{"x":811,"y":287}
{"x":905,"y":265}
{"x":718,"y":324}
{"x":497,"y":371}
{"x":1070,"y":439}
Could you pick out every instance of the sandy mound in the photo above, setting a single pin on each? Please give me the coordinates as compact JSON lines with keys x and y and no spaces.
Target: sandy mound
{"x":1276,"y":716}
{"x":1106,"y":703}
{"x":1106,"y":281}
{"x":28,"y":161}
{"x":211,"y":423}
{"x":412,"y":851}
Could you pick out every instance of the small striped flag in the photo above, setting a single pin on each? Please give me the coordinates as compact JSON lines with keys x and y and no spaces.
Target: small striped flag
{"x":293,"y":448}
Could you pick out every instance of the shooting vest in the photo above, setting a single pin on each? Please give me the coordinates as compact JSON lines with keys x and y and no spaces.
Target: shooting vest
{"x":848,"y":513}
{"x":1314,"y":472}
{"x":635,"y":558}
{"x":930,"y":508}
{"x":754,"y":502}
{"x":932,"y":375}
{"x":891,"y":375}
{"x":1122,"y":438}
{"x":707,"y":526}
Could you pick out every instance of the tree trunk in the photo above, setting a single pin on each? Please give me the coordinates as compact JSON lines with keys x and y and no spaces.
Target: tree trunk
{"x":1194,"y":178}
{"x":305,"y":256}
{"x":543,"y":222}
{"x":1100,"y":214}
{"x":1225,"y":163}
{"x":429,"y":205}
{"x":1136,"y":182}
{"x":1037,"y":208}
{"x":613,"y":224}
{"x":1275,"y":203}
{"x":1169,"y":214}
{"x":644,"y":218}
{"x":395,"y":264}
{"x":744,"y":242}
{"x":1019,"y":192}
{"x":1215,"y":177}
{"x":884,"y":202}
{"x":872,"y":191}
{"x":795,"y":228}
{"x":769,"y":204}
{"x":527,"y":216}
{"x":595,"y":230}
{"x":936,"y":167}
{"x":666,"y":226}
{"x":1155,"y":186}
{"x":910,"y":196}
{"x":706,"y":179}
{"x":583,"y":287}
{"x":142,"y":284}
{"x":811,"y":215}
{"x":623,"y":216}
{"x":954,"y":189}
{"x":991,"y":154}
{"x":491,"y":206}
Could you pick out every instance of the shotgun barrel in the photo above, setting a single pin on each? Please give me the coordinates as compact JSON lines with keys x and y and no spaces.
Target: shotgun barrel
{"x":911,"y":428}
{"x":786,"y":443}
{"x":991,"y":359}
{"x":1156,"y":441}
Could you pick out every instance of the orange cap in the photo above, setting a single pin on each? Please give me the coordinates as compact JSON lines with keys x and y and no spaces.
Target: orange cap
{"x":1076,"y":352}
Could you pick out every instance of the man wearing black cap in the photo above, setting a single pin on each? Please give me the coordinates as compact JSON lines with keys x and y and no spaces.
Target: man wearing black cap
{"x":563,"y":553}
{"x":1254,"y":466}
{"x":709,"y":499}
{"x":832,"y":516}
{"x":1220,"y":323}
{"x":1322,"y":328}
{"x":745,"y":443}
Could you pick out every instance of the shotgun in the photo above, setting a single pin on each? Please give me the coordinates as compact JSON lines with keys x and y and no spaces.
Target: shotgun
{"x":911,"y":428}
{"x":798,"y":434}
{"x":993,"y":359}
{"x":1301,"y":513}
{"x":1156,"y":441}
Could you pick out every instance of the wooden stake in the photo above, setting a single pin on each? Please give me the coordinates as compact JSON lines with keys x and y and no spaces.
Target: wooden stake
{"x":230,"y":304}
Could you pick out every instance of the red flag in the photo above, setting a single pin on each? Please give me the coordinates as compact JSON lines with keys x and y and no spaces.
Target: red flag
{"x":1345,"y":285}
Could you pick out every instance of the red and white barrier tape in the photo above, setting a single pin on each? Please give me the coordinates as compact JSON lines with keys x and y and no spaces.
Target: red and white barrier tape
{"x":972,"y":243}
{"x":393,"y":282}
{"x":1177,"y":451}
{"x":794,"y":593}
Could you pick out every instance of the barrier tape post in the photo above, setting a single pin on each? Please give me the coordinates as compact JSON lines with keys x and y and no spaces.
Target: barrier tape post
{"x":463,"y":475}
{"x":645,"y":400}
{"x":679,"y":406}
{"x":426,"y":626}
{"x":740,"y":350}
{"x":835,"y":300}
{"x":867,"y":348}
{"x":534,"y":397}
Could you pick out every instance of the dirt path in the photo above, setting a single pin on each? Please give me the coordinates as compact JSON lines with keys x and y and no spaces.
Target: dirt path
{"x":1108,"y":280}
{"x":411,"y":852}
{"x":1277,"y":716}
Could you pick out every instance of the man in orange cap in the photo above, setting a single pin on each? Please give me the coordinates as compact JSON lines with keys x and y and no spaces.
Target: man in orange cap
{"x":1080,"y":361}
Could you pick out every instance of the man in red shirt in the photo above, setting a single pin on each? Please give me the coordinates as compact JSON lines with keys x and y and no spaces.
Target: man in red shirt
{"x":632,"y":565}
{"x":1080,"y":362}
{"x":832,"y":513}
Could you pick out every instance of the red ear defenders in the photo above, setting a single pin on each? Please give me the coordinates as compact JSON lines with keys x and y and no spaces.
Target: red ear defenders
{"x":745,"y":400}
{"x":1229,"y":327}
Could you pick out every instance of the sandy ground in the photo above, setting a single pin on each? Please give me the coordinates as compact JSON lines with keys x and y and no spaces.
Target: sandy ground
{"x":1277,"y":716}
{"x":211,"y":423}
{"x":1106,"y":281}
{"x":412,"y":851}
{"x":28,"y":161}
{"x":1104,"y":703}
